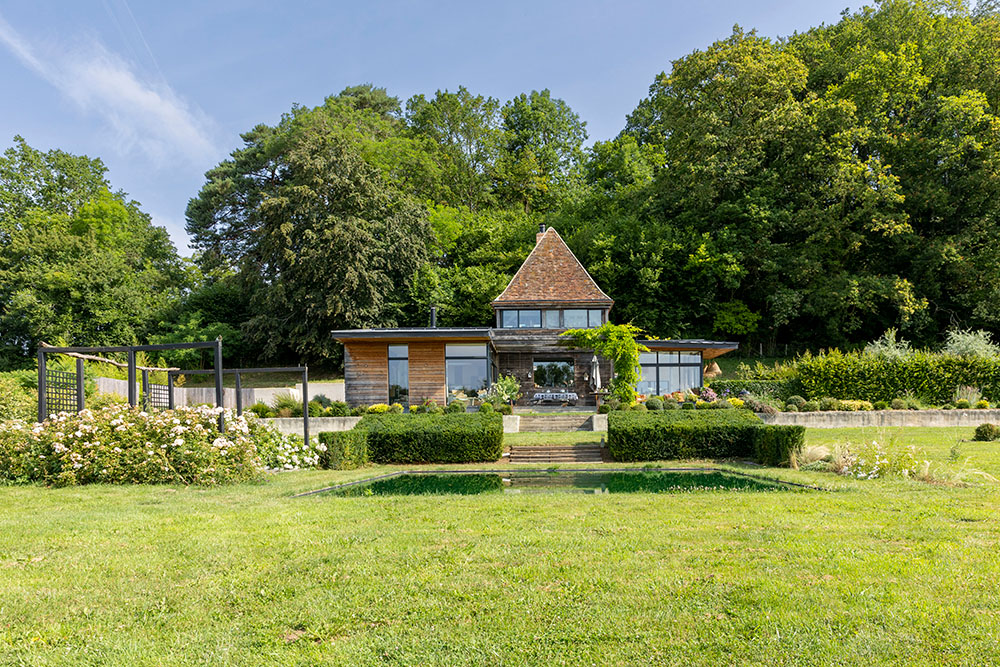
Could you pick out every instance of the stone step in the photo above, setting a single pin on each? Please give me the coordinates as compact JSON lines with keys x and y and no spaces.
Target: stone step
{"x":556,"y":423}
{"x":556,"y":454}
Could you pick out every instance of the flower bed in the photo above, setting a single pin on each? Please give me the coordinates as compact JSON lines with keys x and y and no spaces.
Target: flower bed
{"x":123,"y":445}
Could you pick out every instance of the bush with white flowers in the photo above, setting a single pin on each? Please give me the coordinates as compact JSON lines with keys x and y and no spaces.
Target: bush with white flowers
{"x":123,"y":445}
{"x":871,"y":460}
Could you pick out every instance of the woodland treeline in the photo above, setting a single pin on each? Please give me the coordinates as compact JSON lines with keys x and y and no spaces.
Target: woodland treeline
{"x":814,"y":191}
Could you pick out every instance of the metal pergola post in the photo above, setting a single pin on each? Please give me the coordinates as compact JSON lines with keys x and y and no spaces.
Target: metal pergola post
{"x":80,"y":398}
{"x":132,"y":399}
{"x":145,"y":389}
{"x":239,"y":396}
{"x":42,"y":403}
{"x":219,"y":394}
{"x":305,"y":404}
{"x":170,"y":391}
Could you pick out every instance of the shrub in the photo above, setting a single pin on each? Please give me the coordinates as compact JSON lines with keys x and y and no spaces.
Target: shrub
{"x":486,"y":408}
{"x":638,"y":407}
{"x":880,"y":405}
{"x":337,"y":409}
{"x":687,"y":405}
{"x":970,"y":394}
{"x":707,"y":395}
{"x":736,"y":402}
{"x":261,"y":410}
{"x":377,"y":409}
{"x":797,"y":401}
{"x":17,"y":401}
{"x":396,"y":408}
{"x":505,"y":409}
{"x":654,"y":403}
{"x":603,"y":409}
{"x":827,"y":404}
{"x":754,"y":404}
{"x":418,"y":409}
{"x":870,"y":460}
{"x":358,"y":411}
{"x":451,"y":438}
{"x":791,"y":407}
{"x":982,"y":405}
{"x":671,"y":405}
{"x":898,"y":404}
{"x":323,"y":400}
{"x":455,"y":406}
{"x":856,"y":406}
{"x":715,"y":434}
{"x":123,"y":445}
{"x":809,"y":406}
{"x":971,"y":344}
{"x":779,"y":390}
{"x":961,"y":404}
{"x":987,"y":433}
{"x":316,"y":409}
{"x":286,"y":405}
{"x":344,"y":450}
{"x":720,"y":404}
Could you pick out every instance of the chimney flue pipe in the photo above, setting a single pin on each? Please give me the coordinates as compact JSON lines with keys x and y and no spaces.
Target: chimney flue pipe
{"x":434,"y":317}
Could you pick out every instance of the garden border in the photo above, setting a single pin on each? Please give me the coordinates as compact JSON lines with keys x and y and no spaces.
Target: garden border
{"x":883,"y":418}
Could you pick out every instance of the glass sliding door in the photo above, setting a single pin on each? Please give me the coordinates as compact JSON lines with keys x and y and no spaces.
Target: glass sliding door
{"x":467,"y":368}
{"x":399,"y":374}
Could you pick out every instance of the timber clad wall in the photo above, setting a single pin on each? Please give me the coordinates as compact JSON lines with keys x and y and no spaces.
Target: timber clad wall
{"x":366,"y":372}
{"x":427,"y":372}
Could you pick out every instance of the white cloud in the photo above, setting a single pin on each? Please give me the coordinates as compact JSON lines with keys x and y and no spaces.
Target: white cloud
{"x":144,"y":115}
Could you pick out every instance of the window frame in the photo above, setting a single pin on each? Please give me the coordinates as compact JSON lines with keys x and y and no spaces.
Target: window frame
{"x":657,"y":364}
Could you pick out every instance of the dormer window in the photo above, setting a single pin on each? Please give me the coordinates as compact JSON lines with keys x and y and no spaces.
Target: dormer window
{"x":569,"y":318}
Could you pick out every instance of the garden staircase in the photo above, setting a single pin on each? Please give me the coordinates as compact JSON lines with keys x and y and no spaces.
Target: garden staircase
{"x":588,"y":453}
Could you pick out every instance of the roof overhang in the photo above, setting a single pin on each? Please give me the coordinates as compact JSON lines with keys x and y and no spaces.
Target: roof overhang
{"x":710,"y":349}
{"x":415,"y":333}
{"x":509,"y":304}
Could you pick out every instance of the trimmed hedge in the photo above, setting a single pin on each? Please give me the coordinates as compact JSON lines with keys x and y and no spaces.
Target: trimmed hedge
{"x":657,"y":436}
{"x":427,"y":438}
{"x":345,"y":450}
{"x":931,"y":376}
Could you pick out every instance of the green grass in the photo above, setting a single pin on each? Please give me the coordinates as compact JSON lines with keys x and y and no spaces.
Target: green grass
{"x":873,"y":572}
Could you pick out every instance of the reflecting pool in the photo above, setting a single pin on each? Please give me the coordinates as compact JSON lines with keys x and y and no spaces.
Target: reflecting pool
{"x":560,"y":481}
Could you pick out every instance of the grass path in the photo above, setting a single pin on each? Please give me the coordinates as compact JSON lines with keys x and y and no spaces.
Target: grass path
{"x":875,"y":572}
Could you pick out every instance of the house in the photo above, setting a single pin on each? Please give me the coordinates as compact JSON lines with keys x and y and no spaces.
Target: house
{"x":550,"y":293}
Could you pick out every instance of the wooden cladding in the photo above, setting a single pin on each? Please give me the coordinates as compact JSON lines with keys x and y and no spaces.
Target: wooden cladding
{"x":366,"y":372}
{"x":427,"y":372}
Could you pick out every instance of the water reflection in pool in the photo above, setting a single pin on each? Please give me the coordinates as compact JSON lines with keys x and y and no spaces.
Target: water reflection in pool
{"x":564,"y":481}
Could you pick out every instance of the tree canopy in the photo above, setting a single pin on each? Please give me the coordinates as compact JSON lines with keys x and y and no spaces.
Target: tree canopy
{"x":814,"y":190}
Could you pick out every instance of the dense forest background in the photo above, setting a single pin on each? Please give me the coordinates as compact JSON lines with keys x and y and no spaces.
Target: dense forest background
{"x":811,"y":191}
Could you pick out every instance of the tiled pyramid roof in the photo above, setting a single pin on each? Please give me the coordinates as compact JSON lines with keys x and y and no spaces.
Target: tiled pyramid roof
{"x":550,"y":275}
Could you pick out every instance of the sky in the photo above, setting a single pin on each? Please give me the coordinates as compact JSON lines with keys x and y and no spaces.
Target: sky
{"x":161,"y":91}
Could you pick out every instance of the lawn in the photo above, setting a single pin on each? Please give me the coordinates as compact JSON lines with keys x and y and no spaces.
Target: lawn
{"x":873,"y":572}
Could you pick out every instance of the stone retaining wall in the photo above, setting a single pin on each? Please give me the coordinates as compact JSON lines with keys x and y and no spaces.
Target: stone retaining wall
{"x":881,"y":418}
{"x":293,"y":425}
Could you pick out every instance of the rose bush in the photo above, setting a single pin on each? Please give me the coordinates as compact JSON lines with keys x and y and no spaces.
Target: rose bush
{"x":123,"y":445}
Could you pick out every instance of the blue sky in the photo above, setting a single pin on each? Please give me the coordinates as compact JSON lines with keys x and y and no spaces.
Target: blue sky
{"x":161,"y":90}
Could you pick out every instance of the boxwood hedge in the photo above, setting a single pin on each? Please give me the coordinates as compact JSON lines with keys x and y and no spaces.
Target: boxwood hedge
{"x":780,"y":390}
{"x":656,"y":436}
{"x":426,"y":438}
{"x":345,"y":450}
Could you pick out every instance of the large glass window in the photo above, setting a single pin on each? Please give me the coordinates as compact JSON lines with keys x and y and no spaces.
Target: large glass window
{"x":399,"y":374}
{"x":666,"y":372}
{"x":467,"y":368}
{"x":550,"y":319}
{"x":508,"y":319}
{"x":596,"y":318}
{"x":529,"y":319}
{"x":575,"y":319}
{"x":554,"y":374}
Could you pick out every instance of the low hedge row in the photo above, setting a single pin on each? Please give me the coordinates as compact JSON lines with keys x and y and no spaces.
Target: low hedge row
{"x":416,"y":438}
{"x":780,"y":390}
{"x":654,"y":436}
